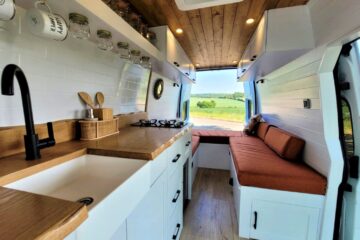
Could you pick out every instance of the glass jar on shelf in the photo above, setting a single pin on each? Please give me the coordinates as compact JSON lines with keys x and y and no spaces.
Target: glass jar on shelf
{"x":134,"y":20}
{"x":123,"y":48}
{"x":121,"y":7}
{"x":151,"y":36}
{"x":135,"y":56}
{"x":145,"y":62}
{"x":104,"y":40}
{"x":143,"y":29}
{"x":79,"y":26}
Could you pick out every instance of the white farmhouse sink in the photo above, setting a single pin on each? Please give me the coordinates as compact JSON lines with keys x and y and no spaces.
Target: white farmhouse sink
{"x":116,"y":184}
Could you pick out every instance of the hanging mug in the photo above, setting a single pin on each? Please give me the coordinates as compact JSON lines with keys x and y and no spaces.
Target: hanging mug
{"x":7,"y":10}
{"x":46,"y":24}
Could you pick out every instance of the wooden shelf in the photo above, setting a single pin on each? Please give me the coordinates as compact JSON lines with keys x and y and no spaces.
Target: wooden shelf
{"x":102,"y":17}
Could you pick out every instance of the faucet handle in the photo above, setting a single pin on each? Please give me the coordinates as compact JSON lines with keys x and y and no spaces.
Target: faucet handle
{"x":50,"y":141}
{"x":50,"y":130}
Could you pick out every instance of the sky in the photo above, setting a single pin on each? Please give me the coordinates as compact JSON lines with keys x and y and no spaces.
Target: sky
{"x":218,"y":81}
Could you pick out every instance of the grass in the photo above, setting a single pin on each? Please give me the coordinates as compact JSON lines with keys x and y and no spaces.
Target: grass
{"x":226,"y":109}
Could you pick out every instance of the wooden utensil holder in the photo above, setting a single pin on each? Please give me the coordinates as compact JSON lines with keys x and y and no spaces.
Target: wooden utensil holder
{"x":91,"y":130}
{"x":103,"y":113}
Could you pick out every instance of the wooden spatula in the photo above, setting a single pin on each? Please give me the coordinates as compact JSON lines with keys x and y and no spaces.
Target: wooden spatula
{"x":87,"y":99}
{"x":100,"y":99}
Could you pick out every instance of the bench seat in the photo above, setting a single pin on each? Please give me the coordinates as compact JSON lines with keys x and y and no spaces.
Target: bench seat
{"x":258,"y":166}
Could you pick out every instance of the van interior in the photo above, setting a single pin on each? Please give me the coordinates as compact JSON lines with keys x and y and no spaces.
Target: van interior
{"x":180,"y":119}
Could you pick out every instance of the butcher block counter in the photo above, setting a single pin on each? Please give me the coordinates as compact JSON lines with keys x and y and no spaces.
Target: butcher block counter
{"x":29,"y":216}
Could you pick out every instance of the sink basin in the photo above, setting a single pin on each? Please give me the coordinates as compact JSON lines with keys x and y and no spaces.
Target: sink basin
{"x":115,"y":184}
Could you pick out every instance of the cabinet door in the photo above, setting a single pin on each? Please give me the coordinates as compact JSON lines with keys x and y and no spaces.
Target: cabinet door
{"x":281,"y":221}
{"x":147,"y":220}
{"x":259,"y":39}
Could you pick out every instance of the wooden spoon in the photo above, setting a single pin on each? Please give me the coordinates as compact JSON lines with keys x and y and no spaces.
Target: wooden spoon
{"x":86,"y":99}
{"x":100,"y":99}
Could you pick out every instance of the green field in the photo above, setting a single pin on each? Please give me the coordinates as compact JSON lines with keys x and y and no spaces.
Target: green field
{"x":226,"y":109}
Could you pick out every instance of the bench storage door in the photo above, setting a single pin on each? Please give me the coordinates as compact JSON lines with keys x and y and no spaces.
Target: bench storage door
{"x":283,"y":221}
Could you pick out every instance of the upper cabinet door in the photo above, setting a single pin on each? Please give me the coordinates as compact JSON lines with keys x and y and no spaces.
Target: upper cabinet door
{"x":172,"y":51}
{"x":259,"y":39}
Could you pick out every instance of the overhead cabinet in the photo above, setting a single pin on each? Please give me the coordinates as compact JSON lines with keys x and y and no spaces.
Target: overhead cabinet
{"x":276,"y":42}
{"x":173,"y":53}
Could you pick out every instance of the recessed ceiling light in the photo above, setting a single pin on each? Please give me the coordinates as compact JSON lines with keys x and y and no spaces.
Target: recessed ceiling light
{"x":197,"y":64}
{"x":250,"y":21}
{"x":235,"y":61}
{"x":179,"y":31}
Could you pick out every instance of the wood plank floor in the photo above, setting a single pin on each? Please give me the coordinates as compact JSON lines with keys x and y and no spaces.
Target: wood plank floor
{"x":211,"y":213}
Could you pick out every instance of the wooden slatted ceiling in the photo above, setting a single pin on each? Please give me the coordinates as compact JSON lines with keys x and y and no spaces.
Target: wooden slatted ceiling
{"x":213,"y":37}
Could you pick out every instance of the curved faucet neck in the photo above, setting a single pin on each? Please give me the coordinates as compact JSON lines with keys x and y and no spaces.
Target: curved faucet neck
{"x":7,"y":88}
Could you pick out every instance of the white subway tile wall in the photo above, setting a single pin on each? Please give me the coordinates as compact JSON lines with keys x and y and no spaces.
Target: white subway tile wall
{"x":56,"y":71}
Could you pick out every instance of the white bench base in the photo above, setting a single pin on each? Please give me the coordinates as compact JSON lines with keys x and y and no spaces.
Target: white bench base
{"x":280,"y":215}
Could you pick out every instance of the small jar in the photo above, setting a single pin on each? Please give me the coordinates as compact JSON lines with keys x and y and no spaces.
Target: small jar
{"x":121,"y":8}
{"x":79,"y":26}
{"x":143,"y":29}
{"x":135,"y":21}
{"x":145,"y":62}
{"x":104,"y":40}
{"x":124,"y":51}
{"x":135,"y":56}
{"x":151,"y":36}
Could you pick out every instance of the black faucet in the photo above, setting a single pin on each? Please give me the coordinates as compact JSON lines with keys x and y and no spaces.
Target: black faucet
{"x":32,"y":142}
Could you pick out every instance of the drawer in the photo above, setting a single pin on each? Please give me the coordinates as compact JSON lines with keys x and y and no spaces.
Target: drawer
{"x":186,"y":142}
{"x":175,"y":162}
{"x":175,"y":223}
{"x":174,"y":192}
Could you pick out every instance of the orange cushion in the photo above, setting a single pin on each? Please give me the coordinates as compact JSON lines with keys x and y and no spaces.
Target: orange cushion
{"x":195,"y":143}
{"x":285,"y":144}
{"x":257,"y":166}
{"x":262,"y":129}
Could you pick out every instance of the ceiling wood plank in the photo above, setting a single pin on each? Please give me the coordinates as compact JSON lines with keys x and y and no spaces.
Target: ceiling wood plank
{"x":207,"y":25}
{"x":229,"y":26}
{"x":195,"y":20}
{"x":218,"y":25}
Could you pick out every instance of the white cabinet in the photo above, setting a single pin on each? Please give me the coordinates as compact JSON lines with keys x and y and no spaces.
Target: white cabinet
{"x":159,"y":215}
{"x":276,"y":42}
{"x":173,"y":52}
{"x":283,"y":221}
{"x":147,"y":221}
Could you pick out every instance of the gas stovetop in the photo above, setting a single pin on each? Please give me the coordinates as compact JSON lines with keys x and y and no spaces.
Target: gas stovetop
{"x":159,"y":123}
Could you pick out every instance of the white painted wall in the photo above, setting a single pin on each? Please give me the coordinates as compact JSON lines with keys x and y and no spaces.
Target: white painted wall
{"x":56,"y":71}
{"x":332,"y":19}
{"x":166,"y":106}
{"x":282,"y":96}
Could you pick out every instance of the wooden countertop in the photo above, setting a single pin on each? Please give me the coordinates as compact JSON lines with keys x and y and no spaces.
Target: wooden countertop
{"x":29,"y":216}
{"x":137,"y":142}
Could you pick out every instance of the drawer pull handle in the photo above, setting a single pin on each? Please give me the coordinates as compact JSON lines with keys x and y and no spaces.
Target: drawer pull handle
{"x":176,"y":196}
{"x":188,"y":144}
{"x":177,"y":231}
{"x":176,"y":158}
{"x":255,"y":219}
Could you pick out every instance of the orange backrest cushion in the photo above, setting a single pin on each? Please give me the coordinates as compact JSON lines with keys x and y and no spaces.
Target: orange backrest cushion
{"x":262,"y":130}
{"x":284,"y":144}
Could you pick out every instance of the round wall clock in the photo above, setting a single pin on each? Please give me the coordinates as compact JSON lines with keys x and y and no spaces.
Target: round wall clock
{"x":158,"y":88}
